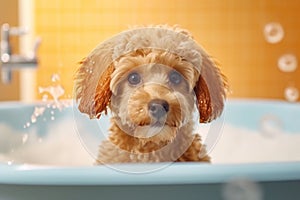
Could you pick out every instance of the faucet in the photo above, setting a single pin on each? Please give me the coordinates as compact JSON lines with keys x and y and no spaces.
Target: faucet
{"x":10,"y":61}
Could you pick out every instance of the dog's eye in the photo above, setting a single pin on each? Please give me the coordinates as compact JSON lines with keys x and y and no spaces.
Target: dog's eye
{"x":175,"y":78}
{"x":134,"y":78}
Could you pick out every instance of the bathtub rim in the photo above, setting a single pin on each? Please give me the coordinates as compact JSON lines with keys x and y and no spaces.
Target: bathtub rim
{"x":174,"y":174}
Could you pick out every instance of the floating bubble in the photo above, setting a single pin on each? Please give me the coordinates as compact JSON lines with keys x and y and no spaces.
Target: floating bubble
{"x":271,"y":125}
{"x":287,"y":63}
{"x":55,"y":78}
{"x":291,"y":94}
{"x":242,"y":189}
{"x":273,"y":32}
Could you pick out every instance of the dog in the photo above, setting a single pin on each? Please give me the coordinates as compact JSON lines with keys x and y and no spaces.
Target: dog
{"x":152,"y":79}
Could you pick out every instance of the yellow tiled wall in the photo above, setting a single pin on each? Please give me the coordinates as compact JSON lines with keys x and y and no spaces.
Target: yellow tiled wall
{"x":230,"y":30}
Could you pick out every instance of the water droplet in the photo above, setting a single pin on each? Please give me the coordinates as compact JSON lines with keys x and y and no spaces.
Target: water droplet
{"x":291,"y":94}
{"x":238,"y":189}
{"x":33,"y":119}
{"x":273,"y":32}
{"x":271,"y":125}
{"x":39,"y":111}
{"x":45,"y":97}
{"x":52,"y":118}
{"x":55,"y":78}
{"x":92,"y":62}
{"x":89,"y":70}
{"x":28,"y":124}
{"x":24,"y":138}
{"x":52,"y":112}
{"x":141,"y":110}
{"x":287,"y":63}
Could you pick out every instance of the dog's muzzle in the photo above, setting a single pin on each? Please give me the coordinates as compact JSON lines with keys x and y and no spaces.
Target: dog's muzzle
{"x":158,"y":108}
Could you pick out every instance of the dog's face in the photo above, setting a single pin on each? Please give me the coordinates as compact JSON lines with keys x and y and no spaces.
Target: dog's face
{"x":151,"y":78}
{"x":153,"y":97}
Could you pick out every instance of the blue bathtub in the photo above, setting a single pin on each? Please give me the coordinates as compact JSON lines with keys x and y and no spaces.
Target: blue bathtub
{"x":67,"y":172}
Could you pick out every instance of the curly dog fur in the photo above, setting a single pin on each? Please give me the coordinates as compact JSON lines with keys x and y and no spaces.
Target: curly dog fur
{"x":152,"y":79}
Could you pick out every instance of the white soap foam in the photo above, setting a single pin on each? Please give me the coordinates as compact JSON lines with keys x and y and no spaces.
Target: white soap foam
{"x":240,"y":145}
{"x":61,"y":146}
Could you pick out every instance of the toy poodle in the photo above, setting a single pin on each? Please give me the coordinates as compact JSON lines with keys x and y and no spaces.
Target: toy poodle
{"x":152,"y":79}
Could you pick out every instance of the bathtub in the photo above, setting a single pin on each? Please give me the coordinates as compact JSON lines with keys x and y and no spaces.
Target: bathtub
{"x":47,"y":152}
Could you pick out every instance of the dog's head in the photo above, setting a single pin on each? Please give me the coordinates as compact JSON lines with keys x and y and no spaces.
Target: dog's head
{"x":152,"y":79}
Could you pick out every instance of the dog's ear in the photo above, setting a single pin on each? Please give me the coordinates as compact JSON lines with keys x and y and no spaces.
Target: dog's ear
{"x":92,"y":81}
{"x":210,"y":90}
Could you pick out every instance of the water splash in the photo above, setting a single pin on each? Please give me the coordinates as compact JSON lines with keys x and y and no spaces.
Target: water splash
{"x":287,"y":63}
{"x":291,"y":94}
{"x":273,"y":32}
{"x":56,"y":91}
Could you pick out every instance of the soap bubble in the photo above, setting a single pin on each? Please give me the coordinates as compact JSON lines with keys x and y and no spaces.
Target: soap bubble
{"x":271,"y":125}
{"x":287,"y":63}
{"x":242,"y":189}
{"x":273,"y":32}
{"x":291,"y":94}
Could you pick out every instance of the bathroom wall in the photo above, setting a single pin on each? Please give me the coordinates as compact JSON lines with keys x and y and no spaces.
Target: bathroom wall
{"x":230,"y":30}
{"x":9,"y":14}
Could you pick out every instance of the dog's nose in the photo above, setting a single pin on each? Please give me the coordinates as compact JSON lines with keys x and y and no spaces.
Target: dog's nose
{"x":158,"y":108}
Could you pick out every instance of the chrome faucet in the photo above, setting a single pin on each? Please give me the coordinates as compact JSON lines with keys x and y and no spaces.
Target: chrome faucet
{"x":10,"y":61}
